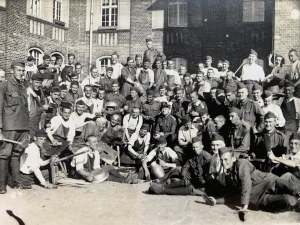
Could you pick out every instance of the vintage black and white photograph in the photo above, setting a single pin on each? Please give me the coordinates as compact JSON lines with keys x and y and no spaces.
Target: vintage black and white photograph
{"x":149,"y":112}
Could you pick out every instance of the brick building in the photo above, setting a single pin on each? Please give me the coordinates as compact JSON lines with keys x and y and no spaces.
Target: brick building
{"x":185,"y":30}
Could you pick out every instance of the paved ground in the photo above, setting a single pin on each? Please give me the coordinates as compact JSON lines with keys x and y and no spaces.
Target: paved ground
{"x":113,"y":203}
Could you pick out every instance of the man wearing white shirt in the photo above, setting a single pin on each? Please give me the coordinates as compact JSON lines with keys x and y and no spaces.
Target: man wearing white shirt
{"x":93,"y":106}
{"x":208,"y":62}
{"x":132,"y":123}
{"x":145,"y":75}
{"x":92,"y":79}
{"x":173,"y":78}
{"x":117,"y":67}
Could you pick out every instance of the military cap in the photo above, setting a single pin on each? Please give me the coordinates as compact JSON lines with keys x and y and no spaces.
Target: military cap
{"x":220,"y":63}
{"x":270,"y":115}
{"x":145,"y":126}
{"x":80,"y":102}
{"x":226,"y":61}
{"x":295,"y":136}
{"x":217,"y":137}
{"x":203,"y":112}
{"x":289,"y":84}
{"x":241,"y":86}
{"x":71,"y":54}
{"x":150,"y":92}
{"x":235,"y":110}
{"x":48,"y":75}
{"x":185,"y":120}
{"x":267,"y":94}
{"x":162,"y":140}
{"x":147,"y":60}
{"x":197,"y":139}
{"x":149,"y":39}
{"x":55,"y":89}
{"x":66,"y":105}
{"x":109,"y":68}
{"x":37,"y":76}
{"x":18,"y":62}
{"x":46,"y":56}
{"x":74,"y":83}
{"x":63,"y":87}
{"x":256,"y":87}
{"x":165,"y":105}
{"x":42,"y":67}
{"x":224,"y":150}
{"x":30,"y":58}
{"x":252,"y":52}
{"x":208,"y":57}
{"x":230,"y":88}
{"x":40,"y":133}
{"x":220,"y":92}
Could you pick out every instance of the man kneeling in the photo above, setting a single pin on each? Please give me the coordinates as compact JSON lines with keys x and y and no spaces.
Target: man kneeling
{"x":88,"y":167}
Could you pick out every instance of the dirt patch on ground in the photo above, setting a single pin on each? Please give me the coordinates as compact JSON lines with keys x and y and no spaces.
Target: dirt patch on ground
{"x":113,"y":203}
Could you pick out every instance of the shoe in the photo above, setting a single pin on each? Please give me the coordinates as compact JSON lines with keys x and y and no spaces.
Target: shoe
{"x":156,"y":188}
{"x":132,"y":178}
{"x":209,"y":200}
{"x":17,"y":185}
{"x":3,"y":190}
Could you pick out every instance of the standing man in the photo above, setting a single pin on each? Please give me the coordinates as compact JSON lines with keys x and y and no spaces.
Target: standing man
{"x":30,"y":67}
{"x":295,"y":71}
{"x":71,"y":61}
{"x":208,"y":62}
{"x":14,"y":124}
{"x":117,"y":67}
{"x":152,"y":53}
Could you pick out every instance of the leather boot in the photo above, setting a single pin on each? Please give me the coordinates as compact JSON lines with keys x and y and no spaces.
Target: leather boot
{"x":3,"y":175}
{"x":15,"y":175}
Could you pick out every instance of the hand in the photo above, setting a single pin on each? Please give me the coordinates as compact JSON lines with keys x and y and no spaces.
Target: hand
{"x":71,"y":149}
{"x":271,"y":155}
{"x":147,"y":117}
{"x":162,"y":162}
{"x":90,"y":178}
{"x":50,"y":186}
{"x":147,"y":175}
{"x":56,"y":142}
{"x":54,"y":159}
{"x":193,"y":113}
{"x":161,"y":134}
{"x":46,"y":107}
{"x":126,"y":107}
{"x":156,"y":136}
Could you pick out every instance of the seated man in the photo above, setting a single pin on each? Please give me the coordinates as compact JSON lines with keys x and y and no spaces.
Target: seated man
{"x":193,"y":175}
{"x":217,"y":142}
{"x":32,"y":166}
{"x":162,"y":159}
{"x":162,"y":94}
{"x":88,"y":167}
{"x":132,"y":123}
{"x":195,"y":106}
{"x":241,"y":181}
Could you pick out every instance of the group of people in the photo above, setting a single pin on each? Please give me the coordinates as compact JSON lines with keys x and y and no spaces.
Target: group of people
{"x":212,"y":133}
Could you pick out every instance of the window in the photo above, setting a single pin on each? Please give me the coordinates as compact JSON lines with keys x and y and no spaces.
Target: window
{"x":36,"y":28}
{"x":108,"y":39}
{"x":102,"y":63}
{"x":35,"y":7}
{"x":58,"y":34}
{"x":178,"y":62}
{"x":177,"y":13}
{"x":3,"y":3}
{"x":253,"y":11}
{"x":37,"y":54}
{"x":109,"y":13}
{"x":57,"y":10}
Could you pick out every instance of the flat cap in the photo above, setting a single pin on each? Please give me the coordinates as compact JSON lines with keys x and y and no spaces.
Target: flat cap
{"x":295,"y":136}
{"x":66,"y":104}
{"x":162,"y":140}
{"x":185,"y":120}
{"x":197,"y":139}
{"x":165,"y":105}
{"x":289,"y":84}
{"x":256,"y":87}
{"x":150,"y":92}
{"x":235,"y":110}
{"x":63,"y":87}
{"x":37,"y":76}
{"x":55,"y":89}
{"x":241,"y":86}
{"x":220,"y":92}
{"x":230,"y":88}
{"x":40,"y":133}
{"x":48,"y":75}
{"x":80,"y":102}
{"x":269,"y":115}
{"x":217,"y":137}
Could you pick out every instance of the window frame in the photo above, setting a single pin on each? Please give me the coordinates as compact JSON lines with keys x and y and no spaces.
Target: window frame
{"x":178,"y":12}
{"x":38,"y":60}
{"x":253,"y":11}
{"x":109,"y":16}
{"x":35,"y":8}
{"x":101,"y":68}
{"x":57,"y":11}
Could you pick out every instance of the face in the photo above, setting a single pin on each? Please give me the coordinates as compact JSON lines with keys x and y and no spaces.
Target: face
{"x":199,"y":77}
{"x":133,"y":93}
{"x":164,"y":65}
{"x":88,"y":92}
{"x":66,"y":114}
{"x":234,"y":118}
{"x":208,"y":62}
{"x":42,"y":71}
{"x":256,"y":94}
{"x":18,"y":72}
{"x":114,"y":59}
{"x":242,"y":93}
{"x":59,"y":61}
{"x":149,"y":44}
{"x":150,"y":98}
{"x":294,"y":146}
{"x":187,"y":80}
{"x":270,"y":124}
{"x":63,"y":93}
{"x":179,"y":94}
{"x":2,"y":76}
{"x":293,"y":57}
{"x":213,"y":93}
{"x":210,"y":73}
{"x":197,"y":147}
{"x":216,"y":145}
{"x":74,"y":78}
{"x":53,"y":60}
{"x":93,"y":143}
{"x":230,"y":96}
{"x":161,"y":147}
{"x":115,"y":87}
{"x":47,"y":83}
{"x":54,"y":95}
{"x":182,"y":70}
{"x":80,"y":109}
{"x":40,"y":141}
{"x":114,"y":120}
{"x":109,"y":74}
{"x":101,"y":94}
{"x":204,"y":118}
{"x":158,"y":64}
{"x":162,"y":92}
{"x":219,"y":123}
{"x":47,"y":61}
{"x":36,"y":85}
{"x":194,"y":97}
{"x":229,"y":75}
{"x":165,"y":111}
{"x":278,"y":60}
{"x":146,"y":65}
{"x":135,"y":112}
{"x":94,"y":94}
{"x":225,"y":66}
{"x":268,"y":101}
{"x":201,"y":67}
{"x":30,"y":63}
{"x":251,"y":58}
{"x":71,"y":60}
{"x":188,"y":125}
{"x":78,"y":69}
{"x":130,"y":63}
{"x":289,"y":92}
{"x":171,"y":65}
{"x":95,"y":73}
{"x":143,"y":133}
{"x":138,"y":60}
{"x":227,"y":160}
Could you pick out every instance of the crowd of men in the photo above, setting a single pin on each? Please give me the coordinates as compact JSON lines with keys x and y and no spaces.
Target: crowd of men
{"x":212,"y":133}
